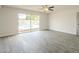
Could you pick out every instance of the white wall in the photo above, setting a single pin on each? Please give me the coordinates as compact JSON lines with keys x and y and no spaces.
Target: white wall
{"x":64,"y":21}
{"x":9,"y":20}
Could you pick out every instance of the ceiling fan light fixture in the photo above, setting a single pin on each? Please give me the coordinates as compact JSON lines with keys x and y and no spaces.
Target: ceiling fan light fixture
{"x":46,"y":9}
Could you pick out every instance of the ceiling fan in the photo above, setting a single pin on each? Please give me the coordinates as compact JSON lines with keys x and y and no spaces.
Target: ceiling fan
{"x":47,"y":8}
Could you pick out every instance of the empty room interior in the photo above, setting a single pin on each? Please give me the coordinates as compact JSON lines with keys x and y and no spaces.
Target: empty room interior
{"x":39,"y":28}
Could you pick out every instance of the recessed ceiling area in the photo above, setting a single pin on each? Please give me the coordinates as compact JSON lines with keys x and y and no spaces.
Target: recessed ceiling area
{"x":27,"y":7}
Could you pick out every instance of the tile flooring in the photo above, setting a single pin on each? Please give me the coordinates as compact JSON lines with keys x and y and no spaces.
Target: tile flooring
{"x":40,"y":42}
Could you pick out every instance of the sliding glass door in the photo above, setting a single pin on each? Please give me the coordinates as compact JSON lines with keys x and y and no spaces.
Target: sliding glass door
{"x":28,"y":23}
{"x":34,"y":22}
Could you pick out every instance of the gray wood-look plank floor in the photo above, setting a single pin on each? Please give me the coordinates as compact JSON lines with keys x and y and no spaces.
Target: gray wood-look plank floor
{"x":40,"y":42}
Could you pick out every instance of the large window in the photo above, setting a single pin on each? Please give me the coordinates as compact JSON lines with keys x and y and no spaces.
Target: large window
{"x":28,"y":22}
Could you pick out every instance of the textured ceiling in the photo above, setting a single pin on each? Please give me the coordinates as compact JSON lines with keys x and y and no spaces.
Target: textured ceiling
{"x":38,"y":7}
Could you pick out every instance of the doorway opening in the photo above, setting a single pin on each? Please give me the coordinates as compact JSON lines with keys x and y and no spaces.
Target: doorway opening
{"x":28,"y":23}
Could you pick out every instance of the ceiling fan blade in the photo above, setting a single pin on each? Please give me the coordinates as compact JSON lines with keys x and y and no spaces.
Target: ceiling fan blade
{"x":51,"y":9}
